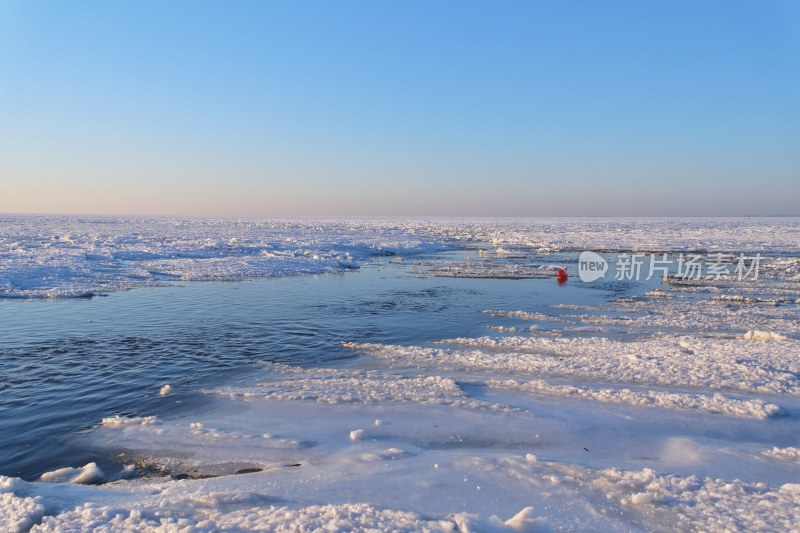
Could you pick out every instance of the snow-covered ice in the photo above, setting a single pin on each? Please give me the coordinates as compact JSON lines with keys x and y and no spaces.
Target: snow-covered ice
{"x":718,"y":364}
{"x":69,"y":256}
{"x":51,"y":256}
{"x":672,"y":409}
{"x":713,"y":403}
{"x":86,"y":475}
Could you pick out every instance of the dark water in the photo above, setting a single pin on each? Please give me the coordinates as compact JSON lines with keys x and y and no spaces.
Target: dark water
{"x":66,"y":364}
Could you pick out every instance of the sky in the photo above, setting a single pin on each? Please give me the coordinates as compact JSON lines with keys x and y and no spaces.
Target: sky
{"x":400,"y":108}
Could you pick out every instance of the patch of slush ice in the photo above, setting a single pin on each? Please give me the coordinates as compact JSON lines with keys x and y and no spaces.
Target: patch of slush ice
{"x":359,"y":386}
{"x":706,"y":504}
{"x":756,"y":335}
{"x":658,"y":293}
{"x":68,"y":256}
{"x":240,"y":268}
{"x":129,"y":421}
{"x":736,"y":235}
{"x":522,"y":315}
{"x":488,"y":270}
{"x":668,"y":502}
{"x":693,"y":315}
{"x":686,"y":361}
{"x":785,"y":454}
{"x":738,"y":298}
{"x":716,"y":403}
{"x":63,"y":256}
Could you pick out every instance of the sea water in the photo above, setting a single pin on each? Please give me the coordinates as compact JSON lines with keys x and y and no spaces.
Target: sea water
{"x":67,"y":363}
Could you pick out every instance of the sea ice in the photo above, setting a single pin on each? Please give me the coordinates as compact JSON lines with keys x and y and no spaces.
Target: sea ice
{"x":86,"y":475}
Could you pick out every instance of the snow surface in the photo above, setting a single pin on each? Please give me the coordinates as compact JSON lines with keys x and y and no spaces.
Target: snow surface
{"x":716,"y":403}
{"x":719,"y":364}
{"x":357,"y":386}
{"x":63,"y":256}
{"x":51,"y":256}
{"x":675,"y":410}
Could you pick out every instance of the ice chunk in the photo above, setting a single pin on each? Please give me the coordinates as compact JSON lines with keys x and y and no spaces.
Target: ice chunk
{"x":87,"y":475}
{"x":790,"y":454}
{"x":757,"y":335}
{"x":129,"y":421}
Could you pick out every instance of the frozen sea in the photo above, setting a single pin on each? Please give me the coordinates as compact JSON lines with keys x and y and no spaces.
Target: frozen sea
{"x":394,"y":374}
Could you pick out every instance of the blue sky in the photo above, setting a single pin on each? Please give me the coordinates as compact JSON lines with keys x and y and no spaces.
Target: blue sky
{"x":492,"y":108}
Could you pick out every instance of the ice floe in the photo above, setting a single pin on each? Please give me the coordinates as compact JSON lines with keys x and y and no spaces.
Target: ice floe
{"x":86,"y":475}
{"x":724,"y":364}
{"x":654,"y":411}
{"x":714,"y":403}
{"x":357,"y":386}
{"x":63,"y":256}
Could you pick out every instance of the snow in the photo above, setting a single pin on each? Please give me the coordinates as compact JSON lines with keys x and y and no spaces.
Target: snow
{"x":71,"y":256}
{"x":720,"y":364}
{"x":183,"y":508}
{"x":755,"y":335}
{"x":785,"y":454}
{"x":716,"y":403}
{"x":345,"y":517}
{"x":63,"y":256}
{"x":355,"y":386}
{"x":17,"y":513}
{"x":669,"y":410}
{"x":348,"y":517}
{"x":707,"y":504}
{"x":672,"y":502}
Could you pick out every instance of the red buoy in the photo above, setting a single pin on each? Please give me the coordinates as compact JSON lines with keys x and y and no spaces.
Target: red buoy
{"x":562,"y":275}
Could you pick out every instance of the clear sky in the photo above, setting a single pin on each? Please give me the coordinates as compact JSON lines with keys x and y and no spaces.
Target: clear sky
{"x":501,"y":108}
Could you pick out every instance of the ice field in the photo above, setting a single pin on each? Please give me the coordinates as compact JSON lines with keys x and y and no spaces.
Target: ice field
{"x":394,"y":375}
